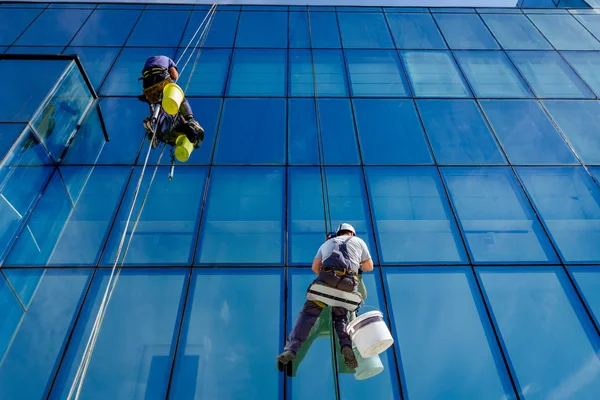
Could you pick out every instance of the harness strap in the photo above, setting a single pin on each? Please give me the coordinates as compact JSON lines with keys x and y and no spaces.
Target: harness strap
{"x":152,"y":71}
{"x":334,"y":297}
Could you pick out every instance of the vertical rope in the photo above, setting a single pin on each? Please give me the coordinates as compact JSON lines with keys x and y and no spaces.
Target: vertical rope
{"x":321,"y":148}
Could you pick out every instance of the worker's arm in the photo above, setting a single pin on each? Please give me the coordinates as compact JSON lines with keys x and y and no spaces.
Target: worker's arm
{"x":367,"y":265}
{"x":174,"y":74}
{"x":316,"y":265}
{"x":367,"y":262}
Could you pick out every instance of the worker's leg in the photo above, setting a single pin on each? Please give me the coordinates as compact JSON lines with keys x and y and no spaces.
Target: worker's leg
{"x":340,"y":321}
{"x":188,"y":114}
{"x":304,"y":323}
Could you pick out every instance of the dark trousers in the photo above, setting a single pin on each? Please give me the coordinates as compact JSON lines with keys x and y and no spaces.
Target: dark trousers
{"x":311,"y":311}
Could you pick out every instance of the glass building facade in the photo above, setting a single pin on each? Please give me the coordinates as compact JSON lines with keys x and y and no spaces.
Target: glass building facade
{"x":463,"y":144}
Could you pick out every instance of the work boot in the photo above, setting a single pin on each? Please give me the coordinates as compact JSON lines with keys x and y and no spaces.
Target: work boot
{"x":192,"y":123}
{"x":286,"y":357}
{"x":349,"y":357}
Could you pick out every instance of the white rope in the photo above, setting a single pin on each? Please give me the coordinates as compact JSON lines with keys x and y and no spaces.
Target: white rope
{"x":208,"y":26}
{"x":193,"y":37}
{"x":89,"y":348}
{"x":210,"y":15}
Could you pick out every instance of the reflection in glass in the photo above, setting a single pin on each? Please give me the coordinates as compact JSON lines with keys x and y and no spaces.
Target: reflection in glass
{"x":376,"y":73}
{"x":587,"y":280}
{"x":565,"y":32}
{"x":515,"y":32}
{"x":415,"y":31}
{"x":364,"y":31}
{"x":465,"y":31}
{"x":434,"y":74}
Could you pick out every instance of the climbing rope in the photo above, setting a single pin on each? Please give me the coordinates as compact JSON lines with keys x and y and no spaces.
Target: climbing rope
{"x":321,"y":148}
{"x":81,"y":373}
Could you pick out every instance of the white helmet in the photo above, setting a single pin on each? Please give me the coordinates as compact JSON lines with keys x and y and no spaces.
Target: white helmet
{"x":345,"y":227}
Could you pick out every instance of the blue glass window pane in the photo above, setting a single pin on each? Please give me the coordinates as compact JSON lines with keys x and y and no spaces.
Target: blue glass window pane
{"x":384,"y":385}
{"x":123,"y":120}
{"x":491,"y":74}
{"x":24,"y":5}
{"x":11,"y":312}
{"x":390,"y":132}
{"x":14,"y":21}
{"x":302,"y":132}
{"x":107,"y":28}
{"x":329,"y":71}
{"x":376,"y":73}
{"x":325,"y":30}
{"x":465,"y":31}
{"x":243,"y":217}
{"x":219,"y":314}
{"x":258,"y":73}
{"x":262,"y":29}
{"x":549,"y":75}
{"x":312,"y":371}
{"x":20,"y":189}
{"x":30,"y":92}
{"x":495,"y":218}
{"x":568,"y":201}
{"x":587,"y":280}
{"x":210,"y":72}
{"x":415,"y":31}
{"x":138,"y":363}
{"x":299,"y":37}
{"x":30,"y":362}
{"x":591,"y":22}
{"x":123,"y":77}
{"x":171,"y":23}
{"x":34,"y":50}
{"x":54,"y":28}
{"x":429,"y":305}
{"x":412,"y":216}
{"x":526,"y":133}
{"x":434,"y":74}
{"x":585,"y":64}
{"x":516,"y":32}
{"x":579,"y":121}
{"x":88,"y":142}
{"x":348,"y":202}
{"x":165,"y":235}
{"x":66,"y":229}
{"x":222,"y":30}
{"x":307,"y":227}
{"x":9,"y":133}
{"x":564,"y":32}
{"x":536,"y":309}
{"x":364,"y":31}
{"x":24,"y":282}
{"x":252,"y":131}
{"x":458,"y":133}
{"x":96,"y":61}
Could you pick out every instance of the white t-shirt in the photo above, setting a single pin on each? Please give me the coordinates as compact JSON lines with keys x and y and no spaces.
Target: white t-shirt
{"x":356,"y":247}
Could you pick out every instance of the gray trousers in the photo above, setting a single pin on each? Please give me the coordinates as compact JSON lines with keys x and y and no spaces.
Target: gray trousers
{"x":311,"y":311}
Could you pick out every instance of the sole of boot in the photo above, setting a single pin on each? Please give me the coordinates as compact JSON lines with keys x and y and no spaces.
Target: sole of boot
{"x":286,"y":358}
{"x":349,"y":358}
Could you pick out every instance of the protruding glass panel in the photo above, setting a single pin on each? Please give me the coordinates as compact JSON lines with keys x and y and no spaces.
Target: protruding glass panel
{"x":106,"y":28}
{"x":465,"y":31}
{"x":434,"y":74}
{"x":376,"y":73}
{"x":88,"y":142}
{"x":243,"y":217}
{"x":390,"y":132}
{"x":69,"y":225}
{"x":439,"y":320}
{"x":565,"y":32}
{"x":258,"y":72}
{"x":415,"y":31}
{"x":31,"y":360}
{"x":568,"y":201}
{"x":413,"y":220}
{"x":579,"y":121}
{"x":515,"y":32}
{"x":58,"y":118}
{"x":166,"y":231}
{"x":495,"y":218}
{"x":549,"y":75}
{"x":170,"y":26}
{"x":364,"y":31}
{"x":535,"y":310}
{"x":54,"y":27}
{"x":138,"y":363}
{"x":526,"y":133}
{"x":221,"y":310}
{"x":262,"y":29}
{"x":252,"y":131}
{"x":491,"y":74}
{"x":458,"y":133}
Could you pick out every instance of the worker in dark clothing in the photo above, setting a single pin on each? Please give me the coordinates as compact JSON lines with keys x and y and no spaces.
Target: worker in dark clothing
{"x":336,"y":264}
{"x":159,"y":71}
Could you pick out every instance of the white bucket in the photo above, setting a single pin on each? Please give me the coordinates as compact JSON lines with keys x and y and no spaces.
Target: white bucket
{"x":370,"y":334}
{"x":367,"y":367}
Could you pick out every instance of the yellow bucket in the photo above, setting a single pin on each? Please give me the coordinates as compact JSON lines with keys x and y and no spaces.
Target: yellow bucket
{"x":172,"y":98}
{"x":183,"y":148}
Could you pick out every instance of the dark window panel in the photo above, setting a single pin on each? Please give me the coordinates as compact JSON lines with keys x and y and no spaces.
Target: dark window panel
{"x":106,"y":28}
{"x":54,"y":27}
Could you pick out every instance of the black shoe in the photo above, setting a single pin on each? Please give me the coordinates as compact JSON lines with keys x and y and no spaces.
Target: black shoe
{"x":286,"y":357}
{"x":196,"y":127}
{"x":349,"y":357}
